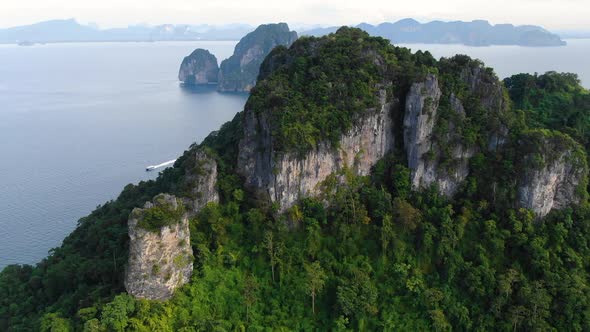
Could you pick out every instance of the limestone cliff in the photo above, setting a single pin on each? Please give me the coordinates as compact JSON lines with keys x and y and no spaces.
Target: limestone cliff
{"x":160,"y":254}
{"x":456,"y":110}
{"x":239,"y":72}
{"x":285,"y":177}
{"x":553,"y":172}
{"x":200,"y":181}
{"x":200,"y":67}
{"x":437,"y":137}
{"x":160,"y":258}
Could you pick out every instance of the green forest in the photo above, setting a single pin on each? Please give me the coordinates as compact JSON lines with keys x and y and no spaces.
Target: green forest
{"x":370,"y":254}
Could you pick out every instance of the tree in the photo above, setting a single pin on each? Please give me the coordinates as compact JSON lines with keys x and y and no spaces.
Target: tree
{"x":401,"y":181}
{"x":313,"y":240}
{"x":316,"y":279}
{"x":387,"y":234}
{"x":357,"y":295}
{"x":408,"y":216}
{"x":53,"y":322}
{"x":439,"y":321}
{"x":274,"y":251}
{"x":516,"y":316}
{"x":115,"y":315}
{"x":250,"y":293}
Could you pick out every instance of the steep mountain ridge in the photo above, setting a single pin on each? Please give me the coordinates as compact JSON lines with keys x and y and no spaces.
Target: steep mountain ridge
{"x":459,"y":109}
{"x":351,"y":141}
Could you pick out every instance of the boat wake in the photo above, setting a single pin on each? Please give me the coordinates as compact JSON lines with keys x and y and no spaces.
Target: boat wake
{"x":166,"y":164}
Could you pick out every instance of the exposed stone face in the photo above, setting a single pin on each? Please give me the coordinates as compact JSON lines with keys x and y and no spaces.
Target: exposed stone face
{"x":552,"y":174}
{"x":285,"y":178}
{"x":240,"y":71}
{"x":159,"y":262}
{"x":489,"y":92}
{"x":419,"y":119}
{"x":426,"y":161}
{"x":202,"y":181}
{"x":200,"y":67}
{"x":424,"y":154}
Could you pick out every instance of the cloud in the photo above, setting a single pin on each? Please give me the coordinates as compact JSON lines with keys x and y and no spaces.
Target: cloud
{"x":549,"y":13}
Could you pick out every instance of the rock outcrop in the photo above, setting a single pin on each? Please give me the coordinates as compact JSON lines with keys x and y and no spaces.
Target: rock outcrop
{"x":240,"y":71}
{"x":448,"y":118}
{"x":553,"y":172}
{"x":285,"y":177}
{"x":201,"y":181}
{"x":425,"y":160}
{"x":437,"y":151}
{"x":200,"y":67}
{"x":160,"y":258}
{"x":160,"y":254}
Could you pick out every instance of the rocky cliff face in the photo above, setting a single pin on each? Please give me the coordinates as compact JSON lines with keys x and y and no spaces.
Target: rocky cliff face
{"x":160,"y":255}
{"x":200,"y":67}
{"x":201,"y":181}
{"x":490,"y":95}
{"x":426,"y":162}
{"x":159,"y":261}
{"x":239,"y":72}
{"x":448,"y":118}
{"x":284,"y":178}
{"x":553,"y":172}
{"x":434,"y":127}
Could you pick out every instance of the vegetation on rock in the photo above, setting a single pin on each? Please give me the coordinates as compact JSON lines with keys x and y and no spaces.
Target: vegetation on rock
{"x":159,"y":215}
{"x":317,"y":89}
{"x":368,"y":254}
{"x":554,"y":101}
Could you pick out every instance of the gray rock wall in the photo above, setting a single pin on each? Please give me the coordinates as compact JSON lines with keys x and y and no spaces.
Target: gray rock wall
{"x":550,"y":174}
{"x":159,"y":262}
{"x":202,"y":182}
{"x":423,"y":152}
{"x":284,"y":178}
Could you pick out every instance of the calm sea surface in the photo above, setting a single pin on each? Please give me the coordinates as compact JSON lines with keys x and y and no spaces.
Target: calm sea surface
{"x":80,"y":121}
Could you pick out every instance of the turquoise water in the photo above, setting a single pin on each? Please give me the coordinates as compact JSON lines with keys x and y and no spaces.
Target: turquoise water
{"x":80,"y":121}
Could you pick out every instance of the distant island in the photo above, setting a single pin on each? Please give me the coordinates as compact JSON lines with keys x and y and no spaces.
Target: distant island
{"x":475,"y":33}
{"x":56,"y":31}
{"x":238,"y":73}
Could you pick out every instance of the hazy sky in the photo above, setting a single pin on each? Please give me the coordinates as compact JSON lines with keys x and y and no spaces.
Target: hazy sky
{"x":553,"y":14}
